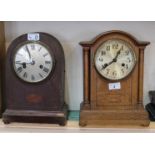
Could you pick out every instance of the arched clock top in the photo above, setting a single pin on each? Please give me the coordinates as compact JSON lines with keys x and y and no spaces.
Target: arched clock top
{"x":113,"y":64}
{"x":34,"y":80}
{"x":89,"y":44}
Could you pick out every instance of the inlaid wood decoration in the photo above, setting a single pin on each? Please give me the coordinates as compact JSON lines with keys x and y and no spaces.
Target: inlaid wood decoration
{"x":34,"y":80}
{"x":113,"y":80}
{"x":2,"y":57}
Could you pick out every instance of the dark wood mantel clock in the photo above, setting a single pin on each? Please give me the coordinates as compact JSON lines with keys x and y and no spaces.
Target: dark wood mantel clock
{"x":34,"y":80}
{"x":113,"y":81}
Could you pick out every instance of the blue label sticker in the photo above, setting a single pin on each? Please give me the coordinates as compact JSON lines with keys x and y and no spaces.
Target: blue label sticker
{"x":33,"y":36}
{"x":114,"y":86}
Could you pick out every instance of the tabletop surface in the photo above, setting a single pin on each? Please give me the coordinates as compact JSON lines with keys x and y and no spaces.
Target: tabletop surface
{"x":71,"y":127}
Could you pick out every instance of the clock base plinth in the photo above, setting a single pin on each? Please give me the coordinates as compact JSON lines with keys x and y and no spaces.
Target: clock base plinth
{"x":135,"y":116}
{"x":28,"y":116}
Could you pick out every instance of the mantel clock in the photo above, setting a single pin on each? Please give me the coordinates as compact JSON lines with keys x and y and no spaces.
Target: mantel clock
{"x":113,"y":80}
{"x":34,"y":80}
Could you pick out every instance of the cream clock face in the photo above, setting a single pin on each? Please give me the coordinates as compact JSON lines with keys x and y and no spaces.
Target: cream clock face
{"x":115,"y":59}
{"x":33,"y":62}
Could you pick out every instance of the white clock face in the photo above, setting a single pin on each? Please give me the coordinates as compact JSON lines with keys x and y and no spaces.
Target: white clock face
{"x":33,"y":62}
{"x":115,"y":59}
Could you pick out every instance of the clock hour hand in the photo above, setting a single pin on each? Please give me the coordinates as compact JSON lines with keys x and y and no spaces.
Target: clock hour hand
{"x":21,"y":63}
{"x":25,"y":63}
{"x":107,"y":64}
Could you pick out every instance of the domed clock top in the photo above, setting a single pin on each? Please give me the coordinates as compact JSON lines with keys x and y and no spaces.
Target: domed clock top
{"x":34,"y":80}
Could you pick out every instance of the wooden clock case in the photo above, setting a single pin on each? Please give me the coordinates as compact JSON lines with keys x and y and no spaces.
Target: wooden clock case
{"x":2,"y":58}
{"x":41,"y":102}
{"x":102,"y":106}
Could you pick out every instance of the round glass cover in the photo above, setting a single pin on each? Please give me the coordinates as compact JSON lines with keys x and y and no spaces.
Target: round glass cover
{"x":115,"y":59}
{"x":33,"y":62}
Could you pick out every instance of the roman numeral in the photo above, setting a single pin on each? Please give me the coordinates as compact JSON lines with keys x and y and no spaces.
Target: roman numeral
{"x":114,"y":73}
{"x":17,"y":62}
{"x":100,"y":59}
{"x":103,"y":52}
{"x":32,"y":46}
{"x":115,"y":46}
{"x":40,"y":75}
{"x":19,"y":54}
{"x":19,"y":69}
{"x":45,"y":54}
{"x":47,"y":62}
{"x":45,"y":69}
{"x":108,"y":48}
{"x":129,"y":60}
{"x":25,"y":75}
{"x":32,"y":77}
{"x":127,"y":52}
{"x":122,"y":48}
{"x":108,"y":70}
{"x":40,"y":49}
{"x":122,"y":71}
{"x":126,"y":66}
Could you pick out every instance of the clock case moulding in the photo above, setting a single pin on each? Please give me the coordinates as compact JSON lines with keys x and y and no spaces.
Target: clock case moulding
{"x":95,"y":111}
{"x":41,"y":102}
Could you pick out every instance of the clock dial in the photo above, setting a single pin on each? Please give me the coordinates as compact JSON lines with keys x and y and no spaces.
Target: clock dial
{"x":33,"y":62}
{"x":115,"y":59}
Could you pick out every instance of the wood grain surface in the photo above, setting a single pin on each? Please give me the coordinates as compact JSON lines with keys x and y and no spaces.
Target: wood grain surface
{"x":45,"y":98}
{"x":104,"y":106}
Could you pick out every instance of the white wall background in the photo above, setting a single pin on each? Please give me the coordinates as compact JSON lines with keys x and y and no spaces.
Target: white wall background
{"x":71,"y":33}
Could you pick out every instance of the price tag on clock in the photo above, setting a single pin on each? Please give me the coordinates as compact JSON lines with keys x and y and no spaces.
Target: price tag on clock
{"x":114,"y":86}
{"x":33,"y":36}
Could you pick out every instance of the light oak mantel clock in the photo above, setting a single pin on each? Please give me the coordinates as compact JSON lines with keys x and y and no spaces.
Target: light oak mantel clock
{"x":113,"y":80}
{"x":34,"y":80}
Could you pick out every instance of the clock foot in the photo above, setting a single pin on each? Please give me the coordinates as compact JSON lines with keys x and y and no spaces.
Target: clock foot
{"x":145,"y":124}
{"x":82,"y":123}
{"x":62,"y":123}
{"x":6,"y":121}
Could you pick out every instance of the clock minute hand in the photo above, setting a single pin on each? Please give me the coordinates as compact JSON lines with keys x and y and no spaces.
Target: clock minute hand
{"x":27,"y":49}
{"x":118,"y":53}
